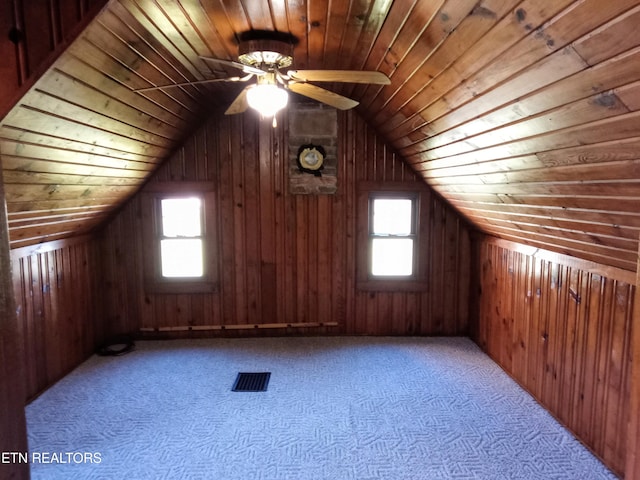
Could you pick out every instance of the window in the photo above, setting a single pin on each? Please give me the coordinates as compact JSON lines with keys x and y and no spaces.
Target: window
{"x":181,"y":237}
{"x":180,"y":240}
{"x":389,"y":241}
{"x":391,"y":235}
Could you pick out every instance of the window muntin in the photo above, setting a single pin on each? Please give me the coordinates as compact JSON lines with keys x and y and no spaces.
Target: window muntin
{"x":181,"y":242}
{"x":392,"y":231}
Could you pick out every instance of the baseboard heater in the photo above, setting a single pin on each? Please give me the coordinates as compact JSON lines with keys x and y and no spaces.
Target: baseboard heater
{"x":247,"y":326}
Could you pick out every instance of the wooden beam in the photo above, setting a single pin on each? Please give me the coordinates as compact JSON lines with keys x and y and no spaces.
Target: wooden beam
{"x":632,"y":469}
{"x":12,"y":397}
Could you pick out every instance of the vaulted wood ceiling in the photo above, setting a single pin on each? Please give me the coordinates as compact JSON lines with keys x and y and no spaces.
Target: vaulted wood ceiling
{"x":522,"y":114}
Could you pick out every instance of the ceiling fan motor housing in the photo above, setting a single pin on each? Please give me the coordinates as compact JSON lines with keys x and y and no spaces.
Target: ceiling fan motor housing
{"x":269,"y":52}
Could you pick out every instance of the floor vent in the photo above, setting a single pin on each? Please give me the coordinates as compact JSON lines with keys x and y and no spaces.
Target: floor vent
{"x":251,"y":382}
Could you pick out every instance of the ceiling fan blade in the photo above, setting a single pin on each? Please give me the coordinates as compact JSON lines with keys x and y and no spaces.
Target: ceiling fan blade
{"x":195,"y":82}
{"x":322,"y":95}
{"x":348,"y":76}
{"x":240,"y":104}
{"x":241,"y":66}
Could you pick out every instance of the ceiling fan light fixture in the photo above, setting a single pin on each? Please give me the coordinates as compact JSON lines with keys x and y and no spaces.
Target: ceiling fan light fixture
{"x":267,"y":99}
{"x":261,"y":58}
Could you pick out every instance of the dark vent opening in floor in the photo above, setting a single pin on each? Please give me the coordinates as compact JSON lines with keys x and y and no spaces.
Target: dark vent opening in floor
{"x":251,"y":382}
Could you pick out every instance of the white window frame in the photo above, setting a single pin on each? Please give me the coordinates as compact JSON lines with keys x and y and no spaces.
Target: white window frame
{"x":179,"y":238}
{"x":412,"y":235}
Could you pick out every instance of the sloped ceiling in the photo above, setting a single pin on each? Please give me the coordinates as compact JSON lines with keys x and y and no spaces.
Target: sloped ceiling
{"x":522,"y":114}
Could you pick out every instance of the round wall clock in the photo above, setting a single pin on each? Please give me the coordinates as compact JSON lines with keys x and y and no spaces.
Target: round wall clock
{"x":311,"y":159}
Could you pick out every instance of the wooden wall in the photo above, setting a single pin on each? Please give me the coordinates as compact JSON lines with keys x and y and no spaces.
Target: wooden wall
{"x":561,"y":328}
{"x":287,"y":258}
{"x":632,"y":469}
{"x":34,"y":33}
{"x":12,"y":419}
{"x":57,"y":296}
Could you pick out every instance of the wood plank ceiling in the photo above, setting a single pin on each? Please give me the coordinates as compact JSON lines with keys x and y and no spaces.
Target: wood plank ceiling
{"x":524,"y":115}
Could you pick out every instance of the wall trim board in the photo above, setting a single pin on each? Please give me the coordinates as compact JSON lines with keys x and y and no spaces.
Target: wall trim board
{"x":613,"y":273}
{"x":30,"y":250}
{"x":248,"y":326}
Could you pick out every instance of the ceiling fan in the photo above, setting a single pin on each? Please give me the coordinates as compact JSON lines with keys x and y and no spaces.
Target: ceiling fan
{"x":264,"y":55}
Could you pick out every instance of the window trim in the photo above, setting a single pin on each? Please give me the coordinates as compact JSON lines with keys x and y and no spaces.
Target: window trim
{"x":152,"y":196}
{"x":367,"y":192}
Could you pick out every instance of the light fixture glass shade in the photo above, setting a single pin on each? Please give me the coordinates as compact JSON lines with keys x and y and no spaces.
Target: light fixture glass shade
{"x":267,"y":99}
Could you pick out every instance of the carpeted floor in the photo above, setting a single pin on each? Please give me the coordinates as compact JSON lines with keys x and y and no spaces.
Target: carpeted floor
{"x":336,"y":408}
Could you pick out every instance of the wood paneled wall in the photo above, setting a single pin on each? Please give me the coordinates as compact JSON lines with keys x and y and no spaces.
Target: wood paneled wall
{"x":56,"y":289}
{"x":562,"y":330}
{"x":34,"y":32}
{"x":287,"y":258}
{"x":12,"y":419}
{"x":632,"y":469}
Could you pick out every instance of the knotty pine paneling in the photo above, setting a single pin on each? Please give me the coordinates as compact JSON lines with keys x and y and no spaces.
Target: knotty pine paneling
{"x":286,"y":258}
{"x":522,"y":114}
{"x":497,"y":125}
{"x":632,"y":469}
{"x":12,"y":418}
{"x":563,"y":332}
{"x":57,"y":296}
{"x":34,"y":32}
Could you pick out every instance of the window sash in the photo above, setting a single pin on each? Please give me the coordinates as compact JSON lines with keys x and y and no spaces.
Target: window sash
{"x":381,"y":208}
{"x":170,"y":267}
{"x":398,"y":265}
{"x":187,"y":223}
{"x":181,"y":258}
{"x":388,"y":261}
